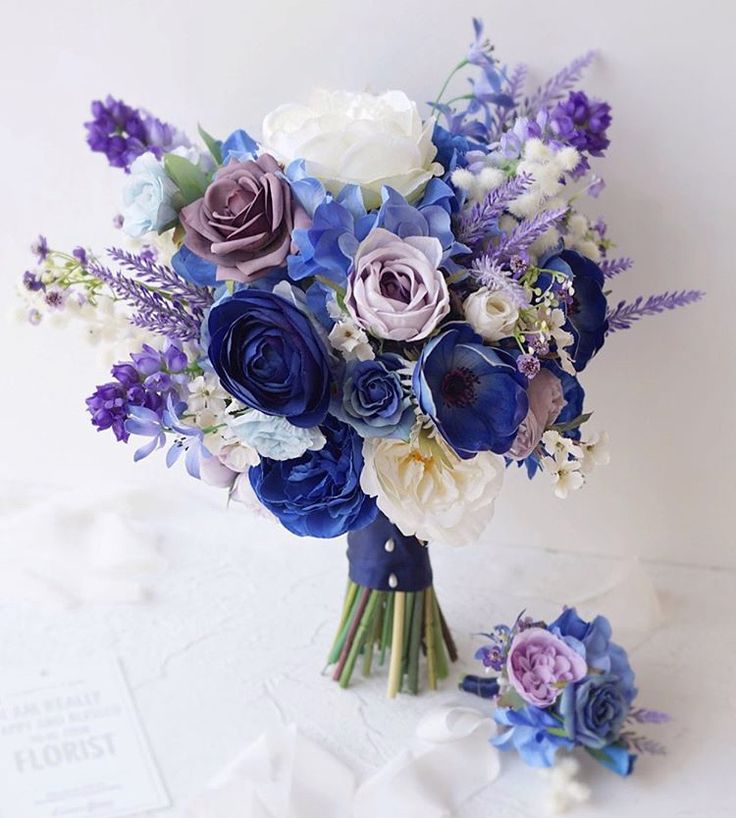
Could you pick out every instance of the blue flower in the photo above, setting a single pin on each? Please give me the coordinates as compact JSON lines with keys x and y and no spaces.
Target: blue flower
{"x":593,"y":710}
{"x":194,"y":269}
{"x":373,"y":400}
{"x":148,"y":197}
{"x":600,"y":653}
{"x":318,"y":494}
{"x":238,"y":146}
{"x":529,"y":735}
{"x":267,"y":355}
{"x":586,"y":315}
{"x":431,"y":217}
{"x":474,"y":393}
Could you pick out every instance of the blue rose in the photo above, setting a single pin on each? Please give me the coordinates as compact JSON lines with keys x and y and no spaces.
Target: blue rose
{"x":586,"y":315}
{"x":593,"y":710}
{"x":529,"y":735}
{"x":373,"y":400}
{"x":474,"y":393}
{"x":319,"y":493}
{"x":268,"y":356}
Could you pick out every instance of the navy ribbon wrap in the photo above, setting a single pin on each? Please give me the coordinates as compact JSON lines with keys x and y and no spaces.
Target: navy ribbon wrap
{"x":383,"y":558}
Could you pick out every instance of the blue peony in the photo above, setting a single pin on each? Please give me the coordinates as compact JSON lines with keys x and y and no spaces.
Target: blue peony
{"x":318,"y":494}
{"x":529,"y":734}
{"x":593,"y":710}
{"x":373,"y":400}
{"x":586,"y":315}
{"x":474,"y":393}
{"x":268,"y":356}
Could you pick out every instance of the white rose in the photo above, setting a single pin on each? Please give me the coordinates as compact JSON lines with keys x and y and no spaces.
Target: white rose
{"x":363,"y":139}
{"x":491,"y":314}
{"x":429,"y":492}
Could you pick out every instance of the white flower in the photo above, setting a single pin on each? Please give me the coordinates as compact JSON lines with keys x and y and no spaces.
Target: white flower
{"x":206,"y":398}
{"x":491,"y":314}
{"x":351,"y":341}
{"x":148,"y":197}
{"x":566,"y":475}
{"x":237,"y":456}
{"x":427,"y":491}
{"x":595,"y":452}
{"x":560,"y":447}
{"x":363,"y":139}
{"x":274,"y":437}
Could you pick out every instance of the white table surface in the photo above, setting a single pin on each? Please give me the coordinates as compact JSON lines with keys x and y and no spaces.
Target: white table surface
{"x":233,"y":637}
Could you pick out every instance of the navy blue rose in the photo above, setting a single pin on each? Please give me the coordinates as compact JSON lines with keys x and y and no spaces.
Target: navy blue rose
{"x":474,"y":393}
{"x":373,"y":400}
{"x":586,"y":314}
{"x":319,"y":493}
{"x":268,"y":356}
{"x":593,"y":711}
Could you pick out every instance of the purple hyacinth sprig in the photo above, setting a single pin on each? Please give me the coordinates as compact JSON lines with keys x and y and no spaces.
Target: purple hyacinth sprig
{"x":476,"y":223}
{"x":625,"y":313}
{"x":147,"y":269}
{"x":614,"y":266}
{"x":123,"y":133}
{"x":558,"y":85}
{"x":525,"y":234}
{"x":154,"y":311}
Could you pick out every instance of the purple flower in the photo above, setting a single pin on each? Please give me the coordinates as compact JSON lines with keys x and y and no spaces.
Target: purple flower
{"x":582,"y":123}
{"x":31,"y":281}
{"x":244,"y":221}
{"x":538,"y":661}
{"x":122,"y":133}
{"x":80,"y":254}
{"x":528,"y":365}
{"x":147,"y":381}
{"x":40,"y":248}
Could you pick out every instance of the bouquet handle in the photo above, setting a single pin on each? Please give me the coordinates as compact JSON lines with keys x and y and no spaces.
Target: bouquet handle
{"x":391,"y":610}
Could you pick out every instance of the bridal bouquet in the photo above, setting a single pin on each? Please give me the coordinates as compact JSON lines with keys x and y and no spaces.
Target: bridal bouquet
{"x":359,"y":320}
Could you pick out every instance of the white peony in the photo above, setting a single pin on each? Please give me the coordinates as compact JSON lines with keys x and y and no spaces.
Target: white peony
{"x":427,"y":491}
{"x":491,"y":314}
{"x":363,"y":139}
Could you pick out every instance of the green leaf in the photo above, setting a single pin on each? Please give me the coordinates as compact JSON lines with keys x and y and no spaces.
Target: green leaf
{"x":572,"y":424}
{"x":190,"y":180}
{"x":213,"y":145}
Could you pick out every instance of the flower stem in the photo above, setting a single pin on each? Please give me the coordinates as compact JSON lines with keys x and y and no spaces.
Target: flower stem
{"x":452,"y":73}
{"x":417,"y":621}
{"x":388,"y":619}
{"x":430,"y":640}
{"x":360,"y":637}
{"x":394,"y":671}
{"x":353,"y":627}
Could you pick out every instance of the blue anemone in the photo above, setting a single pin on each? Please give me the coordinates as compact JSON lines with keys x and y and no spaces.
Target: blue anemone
{"x":474,"y":393}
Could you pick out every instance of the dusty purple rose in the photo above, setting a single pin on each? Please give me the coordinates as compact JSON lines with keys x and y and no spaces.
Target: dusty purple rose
{"x":546,"y":401}
{"x":243,"y":223}
{"x":395,"y":289}
{"x":538,"y":661}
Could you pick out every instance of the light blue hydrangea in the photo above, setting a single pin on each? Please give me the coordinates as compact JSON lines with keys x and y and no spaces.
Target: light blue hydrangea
{"x":148,"y":197}
{"x":274,"y":437}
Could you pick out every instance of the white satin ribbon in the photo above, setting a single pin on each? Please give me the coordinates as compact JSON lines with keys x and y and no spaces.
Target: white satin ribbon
{"x":283,"y":774}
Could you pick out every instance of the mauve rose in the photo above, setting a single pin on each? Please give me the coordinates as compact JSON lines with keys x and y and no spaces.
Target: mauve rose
{"x":546,"y":401}
{"x":243,"y":223}
{"x":396,"y":290}
{"x":538,"y":661}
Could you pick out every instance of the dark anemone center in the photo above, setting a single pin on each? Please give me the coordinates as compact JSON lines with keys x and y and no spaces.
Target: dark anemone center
{"x":459,"y":386}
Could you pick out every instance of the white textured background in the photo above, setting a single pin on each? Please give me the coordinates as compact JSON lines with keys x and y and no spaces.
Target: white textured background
{"x":664,"y":390}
